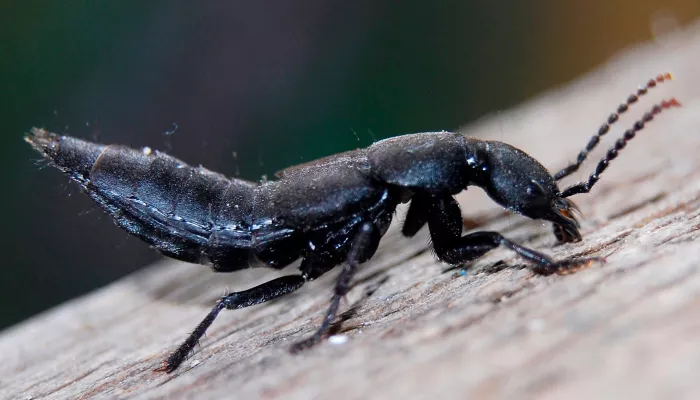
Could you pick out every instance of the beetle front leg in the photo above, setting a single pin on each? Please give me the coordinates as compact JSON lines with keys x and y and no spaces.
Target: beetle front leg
{"x":417,"y":215}
{"x":445,"y":225}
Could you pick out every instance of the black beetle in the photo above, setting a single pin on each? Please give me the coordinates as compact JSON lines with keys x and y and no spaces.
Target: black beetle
{"x":330,"y":211}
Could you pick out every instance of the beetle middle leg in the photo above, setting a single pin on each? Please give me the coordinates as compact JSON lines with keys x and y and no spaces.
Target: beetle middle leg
{"x":246,"y":298}
{"x":445,"y":224}
{"x":362,"y":248}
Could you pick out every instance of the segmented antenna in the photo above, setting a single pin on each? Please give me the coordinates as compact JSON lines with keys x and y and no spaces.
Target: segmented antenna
{"x":614,"y":117}
{"x":585,"y":187}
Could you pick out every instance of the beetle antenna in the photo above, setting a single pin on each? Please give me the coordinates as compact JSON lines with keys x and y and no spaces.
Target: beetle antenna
{"x":621,"y":109}
{"x":585,"y":187}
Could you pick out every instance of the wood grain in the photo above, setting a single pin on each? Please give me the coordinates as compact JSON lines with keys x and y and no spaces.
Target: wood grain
{"x":629,"y":328}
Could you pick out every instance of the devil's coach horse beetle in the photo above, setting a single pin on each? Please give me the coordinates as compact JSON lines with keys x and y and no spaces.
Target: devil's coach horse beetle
{"x":330,"y":211}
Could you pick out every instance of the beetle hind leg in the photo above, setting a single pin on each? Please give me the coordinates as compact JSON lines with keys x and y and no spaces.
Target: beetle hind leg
{"x":246,"y":298}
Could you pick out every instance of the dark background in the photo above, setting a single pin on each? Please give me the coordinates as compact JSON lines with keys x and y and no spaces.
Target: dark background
{"x":253,"y":87}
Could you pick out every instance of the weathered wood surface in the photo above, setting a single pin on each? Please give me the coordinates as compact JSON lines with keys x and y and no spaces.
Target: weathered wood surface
{"x":628,"y":328}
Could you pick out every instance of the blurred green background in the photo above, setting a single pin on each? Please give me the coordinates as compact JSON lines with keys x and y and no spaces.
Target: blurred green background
{"x":253,"y":87}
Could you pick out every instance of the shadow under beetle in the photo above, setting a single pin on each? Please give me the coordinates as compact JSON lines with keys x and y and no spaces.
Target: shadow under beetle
{"x":330,"y":211}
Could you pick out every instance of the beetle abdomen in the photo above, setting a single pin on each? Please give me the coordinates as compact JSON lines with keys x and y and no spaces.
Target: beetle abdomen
{"x":188,"y":213}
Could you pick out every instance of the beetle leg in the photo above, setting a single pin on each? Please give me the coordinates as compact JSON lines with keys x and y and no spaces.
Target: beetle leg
{"x":256,"y":295}
{"x":445,"y":225}
{"x":367,"y":238}
{"x":417,"y":214}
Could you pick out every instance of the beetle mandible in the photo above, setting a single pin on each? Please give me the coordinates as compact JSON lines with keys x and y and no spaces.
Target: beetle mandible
{"x":332,"y":211}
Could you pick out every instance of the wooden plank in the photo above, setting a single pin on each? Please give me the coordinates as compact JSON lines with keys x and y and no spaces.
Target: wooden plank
{"x":627,"y":328}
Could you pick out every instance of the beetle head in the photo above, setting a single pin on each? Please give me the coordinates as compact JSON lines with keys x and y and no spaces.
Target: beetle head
{"x":522,"y":185}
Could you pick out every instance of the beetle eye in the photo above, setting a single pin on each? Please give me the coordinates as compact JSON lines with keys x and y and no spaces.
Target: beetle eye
{"x":534,"y":189}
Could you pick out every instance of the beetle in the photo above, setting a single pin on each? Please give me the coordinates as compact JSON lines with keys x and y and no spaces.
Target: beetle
{"x":332,"y":211}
